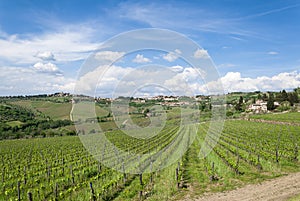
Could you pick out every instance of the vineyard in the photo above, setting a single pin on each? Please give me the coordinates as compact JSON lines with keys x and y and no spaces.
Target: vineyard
{"x":290,"y":117}
{"x":60,"y":168}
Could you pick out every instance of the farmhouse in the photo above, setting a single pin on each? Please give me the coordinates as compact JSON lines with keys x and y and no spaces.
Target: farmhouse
{"x":259,"y":107}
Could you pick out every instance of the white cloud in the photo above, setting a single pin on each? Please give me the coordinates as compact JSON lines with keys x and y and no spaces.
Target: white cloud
{"x":273,"y":53}
{"x":46,"y":68}
{"x":70,"y":43}
{"x":46,"y":78}
{"x":233,"y":81}
{"x":186,"y":81}
{"x":177,"y":68}
{"x":108,"y":56}
{"x":141,"y":59}
{"x":120,"y":81}
{"x":201,"y":54}
{"x":105,"y":78}
{"x":45,"y":56}
{"x":26,"y":81}
{"x":172,"y":56}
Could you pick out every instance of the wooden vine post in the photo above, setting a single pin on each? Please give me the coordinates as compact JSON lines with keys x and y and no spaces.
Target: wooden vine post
{"x":93,"y":196}
{"x":29,"y":194}
{"x":177,"y":177}
{"x":141,"y":183}
{"x":19,"y":191}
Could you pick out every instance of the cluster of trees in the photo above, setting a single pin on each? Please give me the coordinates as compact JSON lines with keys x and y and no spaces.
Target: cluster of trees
{"x":28,"y":122}
{"x":291,"y":97}
{"x":239,"y":105}
{"x":13,"y":112}
{"x":32,"y":128}
{"x":282,"y":97}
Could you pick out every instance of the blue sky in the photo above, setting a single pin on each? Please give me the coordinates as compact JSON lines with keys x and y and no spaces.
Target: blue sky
{"x":253,"y":44}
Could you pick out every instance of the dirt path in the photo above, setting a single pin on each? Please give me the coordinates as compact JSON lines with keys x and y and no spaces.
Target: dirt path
{"x":277,"y":189}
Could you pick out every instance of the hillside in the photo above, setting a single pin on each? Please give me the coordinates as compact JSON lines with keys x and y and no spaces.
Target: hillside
{"x":21,"y":119}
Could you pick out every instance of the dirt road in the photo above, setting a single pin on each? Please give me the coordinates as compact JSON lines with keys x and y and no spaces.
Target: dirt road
{"x":278,"y":189}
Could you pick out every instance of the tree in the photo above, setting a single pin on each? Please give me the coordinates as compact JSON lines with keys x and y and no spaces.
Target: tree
{"x":239,"y":105}
{"x":259,"y":97}
{"x":293,"y":98}
{"x":297,"y":90}
{"x":264,"y":97}
{"x":270,"y":103}
{"x":284,"y":95}
{"x":241,"y":100}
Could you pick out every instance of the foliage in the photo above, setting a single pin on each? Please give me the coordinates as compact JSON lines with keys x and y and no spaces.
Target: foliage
{"x":270,"y":102}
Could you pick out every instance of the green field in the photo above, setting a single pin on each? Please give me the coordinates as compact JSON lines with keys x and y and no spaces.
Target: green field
{"x":51,"y":109}
{"x":54,"y":110}
{"x":60,"y":168}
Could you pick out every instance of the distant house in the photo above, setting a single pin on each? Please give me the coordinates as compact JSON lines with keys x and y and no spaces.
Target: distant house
{"x":170,"y":98}
{"x":258,"y":107}
{"x":138,"y":100}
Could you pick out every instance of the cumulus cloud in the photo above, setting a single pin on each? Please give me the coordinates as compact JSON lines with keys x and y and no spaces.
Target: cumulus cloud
{"x":45,"y":78}
{"x":186,"y":81}
{"x":108,"y":56}
{"x":47,"y":68}
{"x":141,"y":59}
{"x":26,"y":81}
{"x":104,"y":78}
{"x":234,"y":81}
{"x":172,"y":56}
{"x":180,"y":80}
{"x":201,"y":54}
{"x":45,"y":56}
{"x":119,"y":81}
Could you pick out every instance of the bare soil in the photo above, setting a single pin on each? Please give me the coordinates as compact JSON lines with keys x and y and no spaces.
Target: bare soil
{"x":278,"y":189}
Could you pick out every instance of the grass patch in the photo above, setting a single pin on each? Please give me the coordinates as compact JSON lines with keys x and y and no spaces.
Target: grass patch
{"x":55,"y":111}
{"x":14,"y":123}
